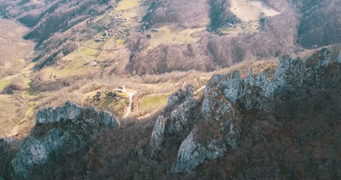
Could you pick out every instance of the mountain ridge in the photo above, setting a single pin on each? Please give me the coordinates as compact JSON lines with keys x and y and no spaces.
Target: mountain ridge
{"x":287,"y":116}
{"x":255,"y":109}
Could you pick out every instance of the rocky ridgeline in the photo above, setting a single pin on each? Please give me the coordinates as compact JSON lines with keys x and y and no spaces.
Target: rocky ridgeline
{"x":58,"y":132}
{"x":259,"y":127}
{"x":212,"y":126}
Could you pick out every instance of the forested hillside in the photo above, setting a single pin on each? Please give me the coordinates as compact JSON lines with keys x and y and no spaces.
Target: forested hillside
{"x":85,"y":49}
{"x":203,"y":34}
{"x":285,"y":127}
{"x":170,"y":89}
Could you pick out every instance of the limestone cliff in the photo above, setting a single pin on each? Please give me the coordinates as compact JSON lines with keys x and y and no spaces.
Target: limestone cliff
{"x":283,"y":127}
{"x":58,"y":132}
{"x":228,"y":99}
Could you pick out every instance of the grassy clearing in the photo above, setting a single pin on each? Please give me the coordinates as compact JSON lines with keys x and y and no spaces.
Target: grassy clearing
{"x":112,"y":43}
{"x":26,"y":80}
{"x":72,"y":56}
{"x":20,"y":61}
{"x":28,"y":68}
{"x":70,"y":72}
{"x":30,"y":94}
{"x":129,"y":14}
{"x":75,"y":64}
{"x":7,"y":114}
{"x":17,"y":78}
{"x":245,"y":28}
{"x":152,"y":102}
{"x":23,"y":127}
{"x":250,"y":12}
{"x":130,"y":24}
{"x":47,"y":73}
{"x":91,"y":42}
{"x":119,"y":42}
{"x":3,"y":84}
{"x":37,"y":2}
{"x":31,"y":112}
{"x":127,"y":4}
{"x":116,"y":104}
{"x":89,"y":53}
{"x":169,"y":33}
{"x":233,"y":31}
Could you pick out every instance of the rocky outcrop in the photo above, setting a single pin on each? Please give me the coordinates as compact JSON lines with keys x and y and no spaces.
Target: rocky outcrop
{"x":180,"y":117}
{"x":180,"y":96}
{"x":59,"y":132}
{"x":192,"y":152}
{"x":7,"y":147}
{"x":283,"y":127}
{"x":158,"y":134}
{"x":294,"y":76}
{"x":216,"y":128}
{"x":180,"y":105}
{"x":210,"y":127}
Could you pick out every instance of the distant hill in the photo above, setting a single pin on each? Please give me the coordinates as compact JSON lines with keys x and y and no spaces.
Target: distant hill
{"x":220,"y":33}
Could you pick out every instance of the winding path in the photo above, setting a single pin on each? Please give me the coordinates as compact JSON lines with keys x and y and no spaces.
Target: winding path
{"x":195,"y":93}
{"x":131,"y":95}
{"x":200,"y":89}
{"x":53,"y":74}
{"x":80,"y":52}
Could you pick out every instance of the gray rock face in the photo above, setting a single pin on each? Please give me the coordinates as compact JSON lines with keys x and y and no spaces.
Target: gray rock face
{"x":6,"y":154}
{"x":180,"y":117}
{"x":59,"y":132}
{"x":295,"y":75}
{"x":180,"y":96}
{"x":216,"y":127}
{"x":180,"y":104}
{"x":196,"y":147}
{"x":158,"y":134}
{"x":253,"y":93}
{"x":215,"y":107}
{"x":69,"y":112}
{"x":216,"y":130}
{"x":192,"y":153}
